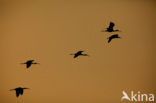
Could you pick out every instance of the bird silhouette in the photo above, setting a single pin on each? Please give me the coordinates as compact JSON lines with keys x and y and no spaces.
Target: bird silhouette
{"x":110,"y":28}
{"x":113,"y":37}
{"x":29,"y":63}
{"x":79,"y":53}
{"x":19,"y":91}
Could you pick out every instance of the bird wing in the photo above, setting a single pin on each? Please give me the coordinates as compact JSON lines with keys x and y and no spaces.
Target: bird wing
{"x":85,"y":55}
{"x":28,"y":65}
{"x":76,"y":55}
{"x":36,"y":63}
{"x":71,"y":54}
{"x":79,"y":52}
{"x":109,"y":39}
{"x":11,"y":89}
{"x":26,"y":88}
{"x":115,"y":35}
{"x":21,"y":91}
{"x":22,"y":63}
{"x":17,"y":93}
{"x":30,"y":60}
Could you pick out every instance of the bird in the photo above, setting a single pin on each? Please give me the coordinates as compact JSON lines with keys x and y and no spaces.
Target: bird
{"x":110,"y":28}
{"x":29,"y":63}
{"x":113,"y":37}
{"x":79,"y":53}
{"x":19,"y":91}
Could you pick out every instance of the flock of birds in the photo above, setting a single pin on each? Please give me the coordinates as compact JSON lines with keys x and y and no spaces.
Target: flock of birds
{"x":111,"y":29}
{"x":20,"y":90}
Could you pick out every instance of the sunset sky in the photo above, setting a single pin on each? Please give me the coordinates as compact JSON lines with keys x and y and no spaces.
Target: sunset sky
{"x":49,"y":30}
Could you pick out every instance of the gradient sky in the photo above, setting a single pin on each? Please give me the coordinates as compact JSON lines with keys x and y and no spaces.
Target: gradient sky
{"x":49,"y":30}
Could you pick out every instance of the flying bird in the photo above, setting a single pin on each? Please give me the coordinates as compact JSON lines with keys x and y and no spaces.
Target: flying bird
{"x":113,"y":37}
{"x":110,"y":28}
{"x":19,"y":91}
{"x":29,"y":63}
{"x":79,"y":53}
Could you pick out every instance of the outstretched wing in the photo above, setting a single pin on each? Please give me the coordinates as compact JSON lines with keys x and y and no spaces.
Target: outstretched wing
{"x":76,"y":55}
{"x":36,"y":63}
{"x":28,"y":65}
{"x":26,"y":88}
{"x":109,"y":39}
{"x":115,"y":36}
{"x":85,"y":55}
{"x":21,"y":91}
{"x":11,"y":89}
{"x":79,"y":52}
{"x":17,"y":93}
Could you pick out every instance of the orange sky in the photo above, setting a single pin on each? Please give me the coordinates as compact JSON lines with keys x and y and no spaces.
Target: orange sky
{"x":48,"y":31}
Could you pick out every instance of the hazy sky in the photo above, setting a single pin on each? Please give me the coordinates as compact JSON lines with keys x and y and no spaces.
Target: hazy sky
{"x":49,"y":30}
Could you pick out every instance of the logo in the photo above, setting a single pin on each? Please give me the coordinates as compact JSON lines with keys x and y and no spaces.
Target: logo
{"x":137,"y":97}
